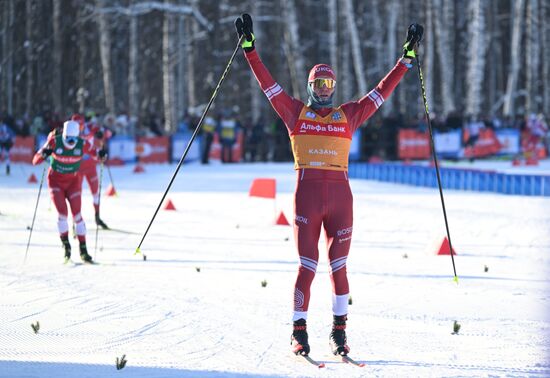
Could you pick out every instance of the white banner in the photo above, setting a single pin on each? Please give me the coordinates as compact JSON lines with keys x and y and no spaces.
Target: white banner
{"x":123,"y":148}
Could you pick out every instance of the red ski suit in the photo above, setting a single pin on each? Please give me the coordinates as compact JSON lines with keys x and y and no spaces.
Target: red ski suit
{"x":323,"y":195}
{"x":88,"y":164}
{"x":66,"y":186}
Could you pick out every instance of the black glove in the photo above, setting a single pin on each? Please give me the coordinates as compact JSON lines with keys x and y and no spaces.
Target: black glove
{"x":243,"y":25}
{"x":102,"y":154}
{"x":414,"y":36}
{"x":46,"y":152}
{"x":99,"y":134}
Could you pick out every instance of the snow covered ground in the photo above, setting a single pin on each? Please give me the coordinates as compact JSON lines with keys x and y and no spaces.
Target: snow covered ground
{"x":172,"y":320}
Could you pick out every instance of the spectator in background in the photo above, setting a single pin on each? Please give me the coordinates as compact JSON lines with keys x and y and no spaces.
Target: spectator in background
{"x":155,"y":125}
{"x":7,"y":139}
{"x":38,"y":126}
{"x":255,"y":138}
{"x":209,"y":126}
{"x":537,"y":128}
{"x":472,"y":131}
{"x":228,"y":127}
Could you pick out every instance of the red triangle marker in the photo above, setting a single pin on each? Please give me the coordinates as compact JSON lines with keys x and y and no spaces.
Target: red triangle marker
{"x":110,"y":191}
{"x":139,"y":168}
{"x":281,"y":220}
{"x":32,"y":179}
{"x":169,"y":205}
{"x":444,"y":248}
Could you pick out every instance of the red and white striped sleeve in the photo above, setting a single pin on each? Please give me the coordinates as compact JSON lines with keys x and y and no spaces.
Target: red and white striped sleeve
{"x":359,"y":111}
{"x":287,"y":107}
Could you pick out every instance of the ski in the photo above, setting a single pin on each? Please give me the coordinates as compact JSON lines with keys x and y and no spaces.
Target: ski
{"x":121,"y":231}
{"x":71,"y":262}
{"x":351,"y":361}
{"x":312,"y":361}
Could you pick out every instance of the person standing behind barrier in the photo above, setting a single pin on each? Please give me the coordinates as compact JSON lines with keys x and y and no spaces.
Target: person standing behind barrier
{"x":321,"y":136}
{"x":96,"y":136}
{"x":228,"y":135}
{"x":208,"y":131}
{"x":65,"y":152}
{"x":7,"y":138}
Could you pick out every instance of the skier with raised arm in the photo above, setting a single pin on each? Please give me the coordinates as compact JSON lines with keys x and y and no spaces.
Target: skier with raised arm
{"x":321,"y":136}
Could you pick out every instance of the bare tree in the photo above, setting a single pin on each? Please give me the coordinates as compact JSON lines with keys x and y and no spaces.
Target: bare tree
{"x":358,"y":65}
{"x":443,"y":22}
{"x":105,"y":53}
{"x":181,"y":77}
{"x":476,"y":62}
{"x":511,"y":83}
{"x":390,"y":53}
{"x":192,"y":28}
{"x":332,"y":11}
{"x":133,"y":62}
{"x":295,"y":55}
{"x":29,"y":55}
{"x":256,"y":98}
{"x":168,"y":88}
{"x":532,"y":51}
{"x":545,"y":47}
{"x":429,"y":47}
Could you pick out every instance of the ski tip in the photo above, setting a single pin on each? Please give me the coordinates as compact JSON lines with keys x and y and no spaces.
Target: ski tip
{"x":321,"y":365}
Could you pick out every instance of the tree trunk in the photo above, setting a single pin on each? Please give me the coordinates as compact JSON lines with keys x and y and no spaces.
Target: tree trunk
{"x":29,"y":55}
{"x":532,"y":51}
{"x":105,"y":52}
{"x":297,"y":65}
{"x":332,"y":11}
{"x":391,"y":52}
{"x":355,"y":48}
{"x":443,"y":26}
{"x":168,"y":89}
{"x":545,"y":46}
{"x":57,"y":58}
{"x":192,"y":28}
{"x":181,"y":77}
{"x":256,"y":98}
{"x":133,"y":62}
{"x":476,"y":63}
{"x":511,"y":83}
{"x":429,"y":61}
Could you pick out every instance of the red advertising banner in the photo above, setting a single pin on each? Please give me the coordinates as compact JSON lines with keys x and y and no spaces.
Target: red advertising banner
{"x":152,"y":149}
{"x":413,"y":144}
{"x":22,"y":150}
{"x":487,"y":144}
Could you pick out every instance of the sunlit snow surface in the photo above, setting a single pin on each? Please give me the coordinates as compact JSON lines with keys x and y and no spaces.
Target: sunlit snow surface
{"x":170,"y":320}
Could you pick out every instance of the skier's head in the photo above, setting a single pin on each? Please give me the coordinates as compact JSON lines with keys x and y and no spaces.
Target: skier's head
{"x":321,"y":83}
{"x":71,"y":131}
{"x":80,"y":119}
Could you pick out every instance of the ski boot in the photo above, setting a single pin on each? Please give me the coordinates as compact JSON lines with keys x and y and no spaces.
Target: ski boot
{"x":84,"y":253}
{"x":337,"y":339}
{"x":298,"y":340}
{"x":100,"y":223}
{"x":67,"y":247}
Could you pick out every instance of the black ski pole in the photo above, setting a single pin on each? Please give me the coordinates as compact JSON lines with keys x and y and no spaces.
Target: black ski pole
{"x":193,"y":136}
{"x":432,"y":144}
{"x":35,"y":208}
{"x":98,"y":205}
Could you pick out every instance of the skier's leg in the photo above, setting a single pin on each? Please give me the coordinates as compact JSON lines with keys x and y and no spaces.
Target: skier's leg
{"x":338,"y":229}
{"x":57,"y":195}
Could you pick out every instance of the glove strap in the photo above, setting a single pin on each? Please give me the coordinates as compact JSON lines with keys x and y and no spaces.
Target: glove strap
{"x":246,"y":43}
{"x":408,"y":53}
